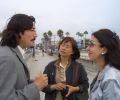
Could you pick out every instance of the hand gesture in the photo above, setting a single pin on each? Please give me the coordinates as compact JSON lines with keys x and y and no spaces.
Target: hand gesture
{"x":58,"y":86}
{"x":41,"y":81}
{"x":71,"y":90}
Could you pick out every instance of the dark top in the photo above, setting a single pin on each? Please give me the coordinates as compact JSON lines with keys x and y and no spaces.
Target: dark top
{"x":50,"y":70}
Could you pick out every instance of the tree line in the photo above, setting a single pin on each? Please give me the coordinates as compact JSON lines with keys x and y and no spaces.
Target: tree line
{"x":47,"y":42}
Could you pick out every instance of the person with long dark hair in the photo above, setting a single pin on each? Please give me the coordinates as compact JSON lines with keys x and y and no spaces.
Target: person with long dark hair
{"x":15,"y":83}
{"x":66,"y":77}
{"x":104,"y":50}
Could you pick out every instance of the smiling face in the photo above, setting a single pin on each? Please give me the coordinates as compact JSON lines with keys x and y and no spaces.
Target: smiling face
{"x":27,"y":38}
{"x":95,"y":50}
{"x":66,"y":49}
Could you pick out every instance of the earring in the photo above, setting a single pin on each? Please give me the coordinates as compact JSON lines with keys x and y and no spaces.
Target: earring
{"x":102,"y":53}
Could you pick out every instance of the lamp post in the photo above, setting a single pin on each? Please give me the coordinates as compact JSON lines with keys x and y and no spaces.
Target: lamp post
{"x":33,"y":55}
{"x":54,"y":41}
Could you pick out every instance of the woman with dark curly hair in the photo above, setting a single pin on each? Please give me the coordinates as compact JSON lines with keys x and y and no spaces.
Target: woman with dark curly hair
{"x":104,"y":50}
{"x":66,"y":77}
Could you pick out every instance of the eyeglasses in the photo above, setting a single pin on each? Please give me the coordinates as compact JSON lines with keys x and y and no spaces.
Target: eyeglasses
{"x":92,"y":43}
{"x":66,"y":46}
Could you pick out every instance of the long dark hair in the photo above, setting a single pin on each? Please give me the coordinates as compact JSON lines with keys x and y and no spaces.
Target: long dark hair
{"x":111,"y":41}
{"x":17,"y":24}
{"x":76,"y":51}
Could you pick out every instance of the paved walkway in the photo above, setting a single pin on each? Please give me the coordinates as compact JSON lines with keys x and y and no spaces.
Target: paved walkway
{"x":36,"y":65}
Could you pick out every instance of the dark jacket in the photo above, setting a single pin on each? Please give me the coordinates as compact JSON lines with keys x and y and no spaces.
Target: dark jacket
{"x":70,"y":76}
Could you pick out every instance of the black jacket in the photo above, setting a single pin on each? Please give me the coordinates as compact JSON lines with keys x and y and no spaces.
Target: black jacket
{"x":70,"y":76}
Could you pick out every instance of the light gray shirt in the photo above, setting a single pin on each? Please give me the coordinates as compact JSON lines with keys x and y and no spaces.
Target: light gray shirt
{"x":107,"y":86}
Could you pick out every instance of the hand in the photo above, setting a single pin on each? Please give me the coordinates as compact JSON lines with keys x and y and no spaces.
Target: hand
{"x":58,"y":86}
{"x":72,"y":89}
{"x":41,"y":81}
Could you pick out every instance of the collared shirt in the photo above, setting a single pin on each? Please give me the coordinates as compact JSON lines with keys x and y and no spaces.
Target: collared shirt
{"x":62,"y":73}
{"x":107,"y":85}
{"x":21,"y":51}
{"x":60,"y":77}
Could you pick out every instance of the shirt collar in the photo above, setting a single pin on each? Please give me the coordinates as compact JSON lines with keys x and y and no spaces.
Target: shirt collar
{"x":61,"y":65}
{"x":21,"y":51}
{"x":57,"y":63}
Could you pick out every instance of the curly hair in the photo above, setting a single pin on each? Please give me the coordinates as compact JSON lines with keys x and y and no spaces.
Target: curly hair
{"x":111,"y":41}
{"x":17,"y":24}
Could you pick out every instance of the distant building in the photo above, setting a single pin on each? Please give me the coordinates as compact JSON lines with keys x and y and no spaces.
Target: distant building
{"x":79,"y":45}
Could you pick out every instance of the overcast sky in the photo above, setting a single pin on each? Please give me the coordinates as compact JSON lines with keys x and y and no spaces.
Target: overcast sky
{"x":69,"y":15}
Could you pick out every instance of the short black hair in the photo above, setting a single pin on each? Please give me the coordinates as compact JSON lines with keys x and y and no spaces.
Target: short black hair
{"x":76,"y":51}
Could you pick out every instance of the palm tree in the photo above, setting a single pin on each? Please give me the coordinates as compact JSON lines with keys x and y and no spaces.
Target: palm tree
{"x":79,"y":35}
{"x":50,"y":35}
{"x":85,"y":33}
{"x":67,"y":34}
{"x":46,"y":38}
{"x":60,"y":33}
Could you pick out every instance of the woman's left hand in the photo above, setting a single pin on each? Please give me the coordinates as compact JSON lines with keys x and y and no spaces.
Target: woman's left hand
{"x":71,"y":90}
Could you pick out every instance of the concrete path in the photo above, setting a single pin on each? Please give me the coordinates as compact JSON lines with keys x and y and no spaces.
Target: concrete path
{"x":36,"y":65}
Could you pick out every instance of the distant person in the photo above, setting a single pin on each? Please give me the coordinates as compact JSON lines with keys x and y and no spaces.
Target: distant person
{"x":67,"y":78}
{"x":15,"y":83}
{"x":42,"y":52}
{"x":104,"y":50}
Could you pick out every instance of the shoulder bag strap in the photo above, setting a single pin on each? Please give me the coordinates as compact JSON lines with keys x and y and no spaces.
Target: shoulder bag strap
{"x":76,"y":75}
